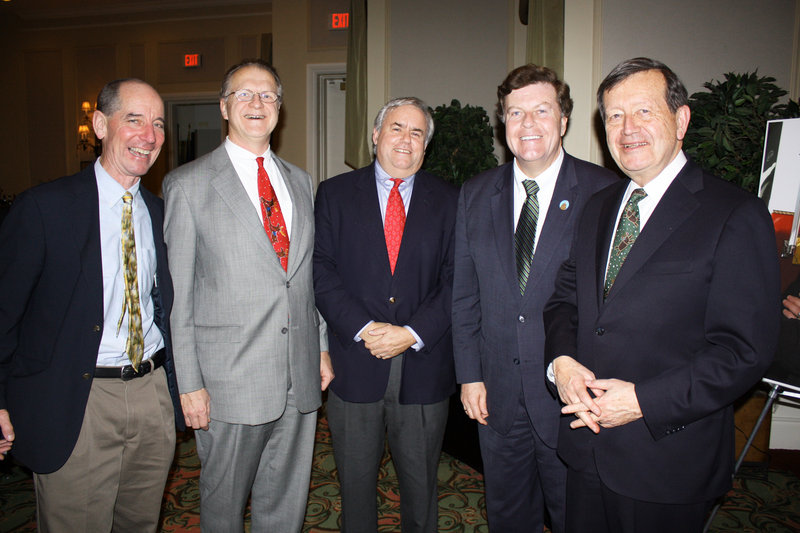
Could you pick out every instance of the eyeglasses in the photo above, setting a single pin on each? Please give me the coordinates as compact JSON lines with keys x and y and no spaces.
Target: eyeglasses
{"x":246,"y":95}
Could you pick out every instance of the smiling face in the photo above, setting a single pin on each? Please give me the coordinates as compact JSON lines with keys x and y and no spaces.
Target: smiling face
{"x":400,"y":143}
{"x":643,"y":135}
{"x":250,"y":124}
{"x":534,"y":127}
{"x":132,"y":135}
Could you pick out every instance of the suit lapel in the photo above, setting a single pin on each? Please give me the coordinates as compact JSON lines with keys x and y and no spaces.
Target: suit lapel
{"x":556,"y":223}
{"x":677,"y":204}
{"x":301,"y":204}
{"x":502,"y":220}
{"x":83,"y":212}
{"x":605,"y":232}
{"x":226,"y":183}
{"x":369,"y":214}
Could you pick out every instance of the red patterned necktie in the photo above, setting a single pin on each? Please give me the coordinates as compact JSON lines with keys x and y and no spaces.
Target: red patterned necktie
{"x":394,"y":222}
{"x":274,"y":224}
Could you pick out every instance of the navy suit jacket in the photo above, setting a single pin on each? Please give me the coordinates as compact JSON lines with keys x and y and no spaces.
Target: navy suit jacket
{"x":51,"y":313}
{"x":691,"y":320}
{"x":498,"y":334}
{"x":354,"y":284}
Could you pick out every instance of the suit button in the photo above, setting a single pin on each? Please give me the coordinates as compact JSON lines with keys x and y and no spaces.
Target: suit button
{"x":86,"y":375}
{"x":284,"y":330}
{"x":288,"y":284}
{"x":599,"y":332}
{"x":521,"y":318}
{"x":516,"y":361}
{"x":391,"y":299}
{"x":96,"y":327}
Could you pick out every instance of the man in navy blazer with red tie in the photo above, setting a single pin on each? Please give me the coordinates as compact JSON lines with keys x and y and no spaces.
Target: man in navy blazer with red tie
{"x":650,"y":360}
{"x":388,"y":315}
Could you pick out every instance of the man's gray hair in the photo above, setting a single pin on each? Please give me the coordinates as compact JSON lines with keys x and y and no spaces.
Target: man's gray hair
{"x":407,"y":100}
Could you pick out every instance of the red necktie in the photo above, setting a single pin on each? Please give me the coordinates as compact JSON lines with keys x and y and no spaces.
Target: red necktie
{"x":394,"y":222}
{"x":274,"y":224}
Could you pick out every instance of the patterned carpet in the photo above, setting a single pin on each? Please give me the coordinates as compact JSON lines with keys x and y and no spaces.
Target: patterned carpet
{"x":762,"y":500}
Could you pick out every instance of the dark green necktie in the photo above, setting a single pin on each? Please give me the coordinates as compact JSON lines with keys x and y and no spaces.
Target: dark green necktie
{"x":627,"y":231}
{"x":525,"y":236}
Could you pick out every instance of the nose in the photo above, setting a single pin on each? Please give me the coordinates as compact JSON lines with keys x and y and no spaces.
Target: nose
{"x":527,"y":120}
{"x":256,"y":101}
{"x":629,"y":125}
{"x":149,"y":134}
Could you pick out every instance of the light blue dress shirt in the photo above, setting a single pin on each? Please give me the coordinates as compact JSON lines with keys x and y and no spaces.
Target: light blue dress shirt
{"x":112,"y":344}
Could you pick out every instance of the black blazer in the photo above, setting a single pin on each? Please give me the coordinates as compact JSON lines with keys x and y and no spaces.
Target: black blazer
{"x":51,"y":314}
{"x":354,"y":284}
{"x":692,"y":321}
{"x":498,"y":333}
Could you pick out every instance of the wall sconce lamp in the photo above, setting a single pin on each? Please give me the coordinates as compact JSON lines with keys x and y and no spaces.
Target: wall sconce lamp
{"x":86,"y":139}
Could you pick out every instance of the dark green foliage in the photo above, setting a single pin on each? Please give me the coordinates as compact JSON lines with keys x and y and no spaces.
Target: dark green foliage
{"x":462,"y":143}
{"x":726,"y":131}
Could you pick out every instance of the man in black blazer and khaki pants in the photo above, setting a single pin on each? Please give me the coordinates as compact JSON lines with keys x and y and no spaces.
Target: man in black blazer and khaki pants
{"x":649,"y":356}
{"x":383,"y":267}
{"x":497,"y":319}
{"x":88,"y":399}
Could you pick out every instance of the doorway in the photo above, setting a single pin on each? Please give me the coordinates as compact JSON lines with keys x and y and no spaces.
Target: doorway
{"x":327,"y":89}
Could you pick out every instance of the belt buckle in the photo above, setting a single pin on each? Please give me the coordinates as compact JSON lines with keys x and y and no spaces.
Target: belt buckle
{"x":128,"y":373}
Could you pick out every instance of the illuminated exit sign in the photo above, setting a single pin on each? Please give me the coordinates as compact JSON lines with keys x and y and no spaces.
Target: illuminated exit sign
{"x":339,"y":21}
{"x":192,"y":60}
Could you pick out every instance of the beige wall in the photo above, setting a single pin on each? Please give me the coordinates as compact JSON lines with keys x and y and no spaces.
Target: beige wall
{"x":292,"y":55}
{"x":702,"y":40}
{"x":437,"y":50}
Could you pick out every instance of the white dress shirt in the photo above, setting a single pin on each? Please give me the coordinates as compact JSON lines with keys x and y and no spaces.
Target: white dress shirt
{"x":246,"y":167}
{"x":547,"y":185}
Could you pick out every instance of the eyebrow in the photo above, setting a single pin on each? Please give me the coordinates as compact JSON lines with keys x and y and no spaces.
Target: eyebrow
{"x":403,"y":125}
{"x":140,"y":115}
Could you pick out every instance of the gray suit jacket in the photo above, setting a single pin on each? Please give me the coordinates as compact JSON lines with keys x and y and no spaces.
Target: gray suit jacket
{"x":242,"y":327}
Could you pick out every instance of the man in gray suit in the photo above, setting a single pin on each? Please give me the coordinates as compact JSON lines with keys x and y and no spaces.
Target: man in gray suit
{"x":247,"y":336}
{"x":513,"y":230}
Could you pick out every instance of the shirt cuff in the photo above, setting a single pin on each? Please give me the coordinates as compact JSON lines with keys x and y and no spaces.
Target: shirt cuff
{"x":417,"y":346}
{"x":358,"y":338}
{"x":550,"y":374}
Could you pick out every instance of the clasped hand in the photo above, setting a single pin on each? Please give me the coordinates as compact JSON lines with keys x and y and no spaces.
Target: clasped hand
{"x":385,"y":341}
{"x":611,"y":403}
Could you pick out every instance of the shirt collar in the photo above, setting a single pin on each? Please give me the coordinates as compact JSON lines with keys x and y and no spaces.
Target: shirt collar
{"x":242,"y":154}
{"x":109,"y":190}
{"x":657,"y":186}
{"x":549,"y":175}
{"x":382,"y":177}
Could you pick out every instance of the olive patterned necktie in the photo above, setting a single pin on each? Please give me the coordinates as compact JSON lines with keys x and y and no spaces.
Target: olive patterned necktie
{"x":627,"y":231}
{"x":134,"y":346}
{"x":525,"y":236}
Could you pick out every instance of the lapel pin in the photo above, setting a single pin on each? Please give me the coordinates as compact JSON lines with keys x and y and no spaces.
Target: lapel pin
{"x":564,"y":205}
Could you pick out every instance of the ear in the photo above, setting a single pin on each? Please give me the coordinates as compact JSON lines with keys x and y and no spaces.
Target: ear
{"x":682,"y":116}
{"x":223,"y":109}
{"x":99,"y":124}
{"x":375,"y":137}
{"x":564,"y":121}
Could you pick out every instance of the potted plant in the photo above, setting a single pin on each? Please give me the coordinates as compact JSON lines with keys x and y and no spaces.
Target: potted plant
{"x":726,"y":133}
{"x":462,"y":143}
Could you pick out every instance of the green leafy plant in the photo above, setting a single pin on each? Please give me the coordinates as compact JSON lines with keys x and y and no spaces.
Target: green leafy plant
{"x":462,"y":142}
{"x":726,"y":132}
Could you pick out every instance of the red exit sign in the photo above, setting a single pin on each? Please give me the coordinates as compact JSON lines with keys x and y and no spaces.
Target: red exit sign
{"x":192,"y":60}
{"x":339,"y":21}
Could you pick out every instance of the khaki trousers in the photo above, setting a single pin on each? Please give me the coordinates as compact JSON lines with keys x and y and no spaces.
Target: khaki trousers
{"x":115,"y":476}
